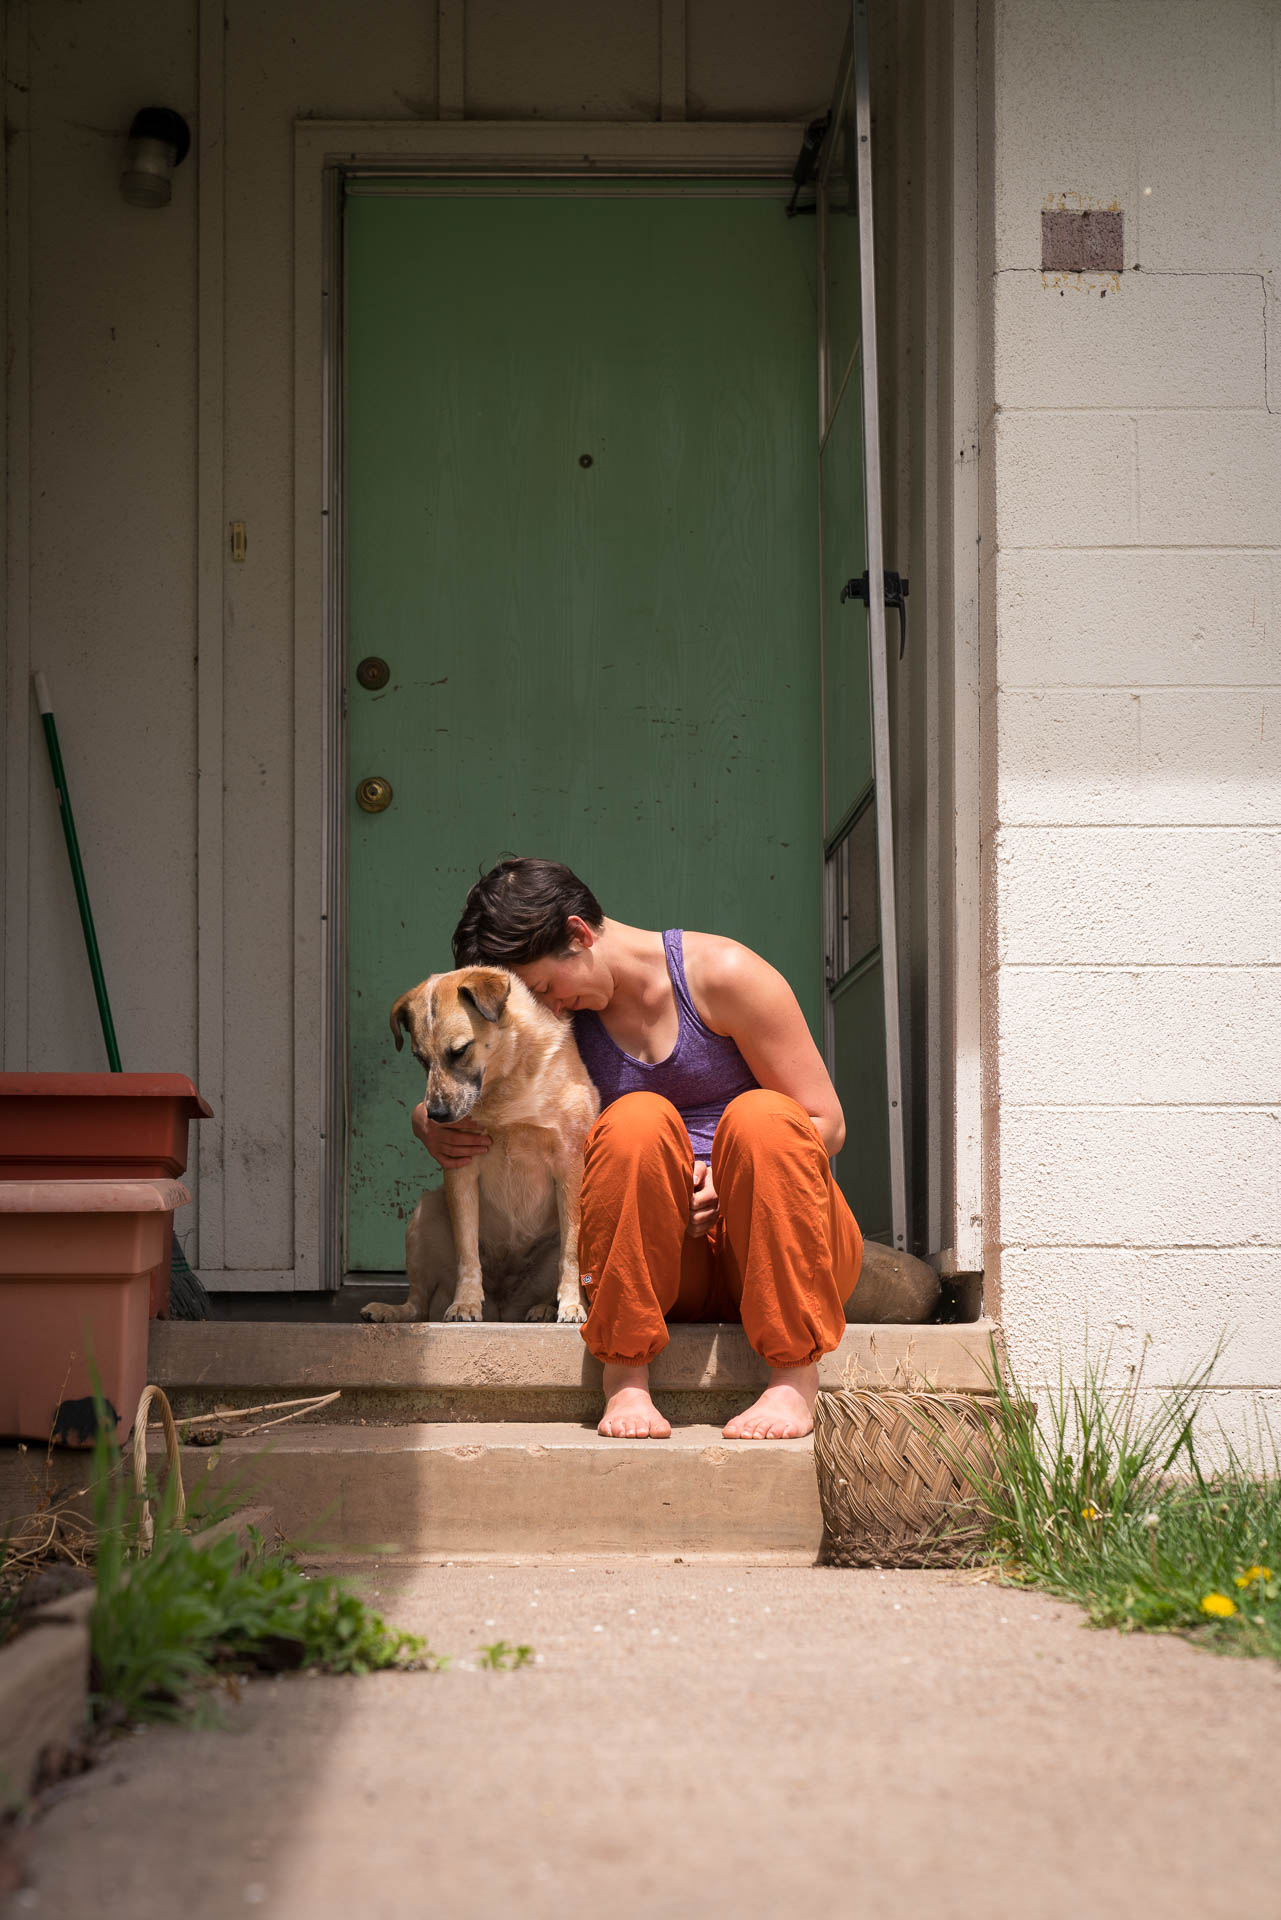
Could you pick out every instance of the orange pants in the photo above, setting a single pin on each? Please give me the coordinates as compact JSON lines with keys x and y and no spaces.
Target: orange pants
{"x":782,"y":1257}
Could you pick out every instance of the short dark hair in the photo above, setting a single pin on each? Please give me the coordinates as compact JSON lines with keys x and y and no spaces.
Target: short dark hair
{"x":519,"y":911}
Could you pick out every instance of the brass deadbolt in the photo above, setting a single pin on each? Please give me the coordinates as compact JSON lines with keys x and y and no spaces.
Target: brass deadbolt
{"x":373,"y":673}
{"x":374,"y":794}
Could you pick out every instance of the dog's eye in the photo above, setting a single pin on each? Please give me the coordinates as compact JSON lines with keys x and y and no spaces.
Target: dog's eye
{"x":456,"y":1053}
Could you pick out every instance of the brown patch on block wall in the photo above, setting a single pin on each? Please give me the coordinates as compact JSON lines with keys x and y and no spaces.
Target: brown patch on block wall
{"x":1086,"y":242}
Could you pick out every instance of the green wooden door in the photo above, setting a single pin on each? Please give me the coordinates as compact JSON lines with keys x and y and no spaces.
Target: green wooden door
{"x":581,"y":531}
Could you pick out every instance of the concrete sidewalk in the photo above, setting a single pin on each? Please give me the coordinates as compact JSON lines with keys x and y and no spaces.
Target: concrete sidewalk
{"x":701,"y":1741}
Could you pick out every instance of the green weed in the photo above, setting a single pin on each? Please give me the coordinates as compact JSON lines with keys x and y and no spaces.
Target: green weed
{"x":504,"y":1657}
{"x":166,"y":1624}
{"x":1109,"y":1507}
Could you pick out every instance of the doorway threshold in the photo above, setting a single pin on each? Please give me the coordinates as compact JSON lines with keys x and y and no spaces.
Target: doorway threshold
{"x":334,"y":1305}
{"x":960,"y":1302}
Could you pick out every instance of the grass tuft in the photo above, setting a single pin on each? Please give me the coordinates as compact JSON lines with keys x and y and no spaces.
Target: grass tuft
{"x":1107,"y":1505}
{"x":503,"y":1657}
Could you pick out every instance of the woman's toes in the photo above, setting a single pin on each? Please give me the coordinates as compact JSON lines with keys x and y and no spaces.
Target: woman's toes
{"x":765,"y":1426}
{"x":622,"y":1421}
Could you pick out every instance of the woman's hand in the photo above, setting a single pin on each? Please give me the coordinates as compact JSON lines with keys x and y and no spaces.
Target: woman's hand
{"x":452,"y":1145}
{"x":704,"y":1206}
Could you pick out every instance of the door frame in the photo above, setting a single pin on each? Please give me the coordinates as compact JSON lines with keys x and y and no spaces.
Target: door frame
{"x":326,"y":156}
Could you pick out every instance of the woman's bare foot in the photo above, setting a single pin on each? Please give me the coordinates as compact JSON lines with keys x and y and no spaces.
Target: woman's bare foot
{"x":785,"y":1411}
{"x":629,"y":1413}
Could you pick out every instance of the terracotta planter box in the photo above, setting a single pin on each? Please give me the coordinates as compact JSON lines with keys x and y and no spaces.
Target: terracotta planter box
{"x":99,"y":1126}
{"x":76,"y":1260}
{"x":96,"y":1126}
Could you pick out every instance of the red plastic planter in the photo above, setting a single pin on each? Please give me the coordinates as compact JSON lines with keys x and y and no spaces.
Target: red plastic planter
{"x":96,"y":1126}
{"x":76,"y":1258}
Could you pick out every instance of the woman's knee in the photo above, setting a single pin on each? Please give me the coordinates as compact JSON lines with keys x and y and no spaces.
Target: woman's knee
{"x":636,"y":1123}
{"x":763,"y":1120}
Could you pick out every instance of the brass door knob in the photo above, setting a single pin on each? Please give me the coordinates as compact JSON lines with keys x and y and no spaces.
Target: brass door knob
{"x":373,"y":673}
{"x":374,"y":794}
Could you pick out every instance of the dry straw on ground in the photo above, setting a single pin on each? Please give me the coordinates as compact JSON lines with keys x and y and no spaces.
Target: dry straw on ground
{"x":56,"y":1534}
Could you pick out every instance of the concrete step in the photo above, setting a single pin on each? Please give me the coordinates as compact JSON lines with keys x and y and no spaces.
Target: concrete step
{"x":539,"y":1491}
{"x":478,"y":1442}
{"x":431,"y":1372}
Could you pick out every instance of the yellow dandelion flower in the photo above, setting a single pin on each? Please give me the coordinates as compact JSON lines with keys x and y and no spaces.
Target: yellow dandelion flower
{"x":1089,"y":1513}
{"x":1219,"y":1605}
{"x":1251,"y":1574}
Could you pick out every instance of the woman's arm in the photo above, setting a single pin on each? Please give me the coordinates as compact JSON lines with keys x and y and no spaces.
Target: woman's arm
{"x":739,"y":994}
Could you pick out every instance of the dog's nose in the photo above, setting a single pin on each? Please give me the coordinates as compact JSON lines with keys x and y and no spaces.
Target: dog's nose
{"x":438,"y":1112}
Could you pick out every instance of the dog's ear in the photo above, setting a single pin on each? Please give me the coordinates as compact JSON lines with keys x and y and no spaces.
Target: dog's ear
{"x":400,"y":1018}
{"x":487,"y":988}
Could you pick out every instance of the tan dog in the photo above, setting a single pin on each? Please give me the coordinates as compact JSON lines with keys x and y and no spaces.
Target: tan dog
{"x":500,"y":1242}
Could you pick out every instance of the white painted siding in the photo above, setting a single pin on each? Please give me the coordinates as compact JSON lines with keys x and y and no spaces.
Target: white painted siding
{"x":1133,"y":910}
{"x":106,"y":607}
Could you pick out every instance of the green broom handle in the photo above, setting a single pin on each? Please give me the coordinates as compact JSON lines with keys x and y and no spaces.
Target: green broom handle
{"x":77,"y":872}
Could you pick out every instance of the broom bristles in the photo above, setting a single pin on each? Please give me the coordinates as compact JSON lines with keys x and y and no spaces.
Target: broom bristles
{"x":187,"y":1298}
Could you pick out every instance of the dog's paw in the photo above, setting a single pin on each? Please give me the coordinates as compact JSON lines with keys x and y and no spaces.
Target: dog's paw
{"x":382,"y":1310}
{"x":572,"y":1315}
{"x":465,"y":1310}
{"x":547,"y":1311}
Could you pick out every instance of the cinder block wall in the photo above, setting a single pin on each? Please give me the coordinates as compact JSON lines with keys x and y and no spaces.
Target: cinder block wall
{"x":1132,"y":693}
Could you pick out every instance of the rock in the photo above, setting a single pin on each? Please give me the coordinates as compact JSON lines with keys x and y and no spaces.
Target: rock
{"x":893,"y":1288}
{"x":52,"y":1583}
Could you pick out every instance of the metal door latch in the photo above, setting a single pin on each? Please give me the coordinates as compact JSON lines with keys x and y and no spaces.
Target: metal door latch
{"x":373,"y":673}
{"x":895,"y":596}
{"x":807,"y":162}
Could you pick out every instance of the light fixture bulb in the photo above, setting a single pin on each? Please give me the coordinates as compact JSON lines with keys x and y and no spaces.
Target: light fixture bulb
{"x":159,"y":141}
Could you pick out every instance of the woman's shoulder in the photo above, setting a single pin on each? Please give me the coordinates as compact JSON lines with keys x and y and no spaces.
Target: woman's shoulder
{"x":714,"y":952}
{"x":721,"y":971}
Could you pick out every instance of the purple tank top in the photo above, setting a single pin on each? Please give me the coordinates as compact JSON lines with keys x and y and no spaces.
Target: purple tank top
{"x":700,"y":1076}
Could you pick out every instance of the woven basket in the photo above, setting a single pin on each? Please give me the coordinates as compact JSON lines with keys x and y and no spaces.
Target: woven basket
{"x":893,"y":1480}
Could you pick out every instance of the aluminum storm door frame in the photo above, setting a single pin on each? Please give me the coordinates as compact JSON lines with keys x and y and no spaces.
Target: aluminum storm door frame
{"x":843,"y":377}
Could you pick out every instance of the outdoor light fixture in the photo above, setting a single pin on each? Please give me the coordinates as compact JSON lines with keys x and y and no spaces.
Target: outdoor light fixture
{"x":159,"y":141}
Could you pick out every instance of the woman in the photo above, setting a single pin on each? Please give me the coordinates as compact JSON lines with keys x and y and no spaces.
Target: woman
{"x":707,"y":1193}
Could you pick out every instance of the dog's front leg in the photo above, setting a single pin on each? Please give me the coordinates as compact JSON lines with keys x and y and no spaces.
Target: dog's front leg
{"x":462,"y":1196}
{"x":571,"y":1306}
{"x":430,"y":1263}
